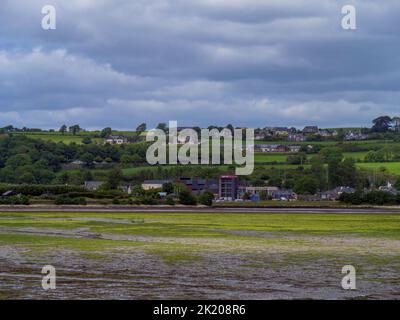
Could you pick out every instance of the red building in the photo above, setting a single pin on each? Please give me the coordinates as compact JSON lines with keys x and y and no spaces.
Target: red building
{"x":228,"y":187}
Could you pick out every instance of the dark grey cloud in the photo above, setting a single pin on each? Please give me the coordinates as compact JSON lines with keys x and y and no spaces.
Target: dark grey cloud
{"x":248,"y":62}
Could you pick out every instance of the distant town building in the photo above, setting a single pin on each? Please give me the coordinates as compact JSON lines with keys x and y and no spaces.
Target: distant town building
{"x":389,"y":189}
{"x":93,"y":185}
{"x":117,"y":140}
{"x":296,"y":137}
{"x":259,"y":135}
{"x":294,"y":148}
{"x":334,"y":194}
{"x":280,"y":131}
{"x":272,"y":148}
{"x":194,"y":185}
{"x":284,"y":195}
{"x":325,"y":133}
{"x":310,"y":130}
{"x":242,"y":190}
{"x":355,"y":136}
{"x":228,"y":187}
{"x":127,"y":188}
{"x":154,"y":184}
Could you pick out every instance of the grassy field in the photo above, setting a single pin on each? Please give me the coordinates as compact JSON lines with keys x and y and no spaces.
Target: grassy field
{"x":58,"y":137}
{"x":282,"y":157}
{"x":358,"y":156}
{"x":69,"y":138}
{"x":392,"y":167}
{"x":150,"y":255}
{"x":134,"y":170}
{"x":271,"y":157}
{"x":327,"y":143}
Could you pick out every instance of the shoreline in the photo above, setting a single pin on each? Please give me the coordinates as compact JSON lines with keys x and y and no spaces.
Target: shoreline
{"x":189,"y":209}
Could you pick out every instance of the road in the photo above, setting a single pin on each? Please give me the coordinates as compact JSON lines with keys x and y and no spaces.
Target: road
{"x":132,"y":209}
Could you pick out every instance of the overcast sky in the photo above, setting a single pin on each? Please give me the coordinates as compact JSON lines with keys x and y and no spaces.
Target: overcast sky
{"x":247,"y":62}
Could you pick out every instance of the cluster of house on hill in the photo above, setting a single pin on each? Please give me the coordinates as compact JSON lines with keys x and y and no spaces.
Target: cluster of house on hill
{"x":292,"y":134}
{"x":231,"y":188}
{"x":289,"y":134}
{"x":276,"y":148}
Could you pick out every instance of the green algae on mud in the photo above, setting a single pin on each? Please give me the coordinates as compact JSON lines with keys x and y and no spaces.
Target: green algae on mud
{"x":179,"y":236}
{"x":204,"y":256}
{"x":211,"y":224}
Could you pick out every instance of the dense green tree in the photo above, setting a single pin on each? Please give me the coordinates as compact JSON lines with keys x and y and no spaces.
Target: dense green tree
{"x":162,"y":126}
{"x":319,"y":172}
{"x":75,"y":129}
{"x":382,"y":124}
{"x":348,"y":172}
{"x":331,"y":153}
{"x":206,"y":198}
{"x":230,"y":128}
{"x":138,"y":191}
{"x":258,"y":183}
{"x":63,"y":129}
{"x":63,"y":178}
{"x":306,"y":185}
{"x":106,"y":132}
{"x":18,"y":160}
{"x":141,"y":128}
{"x":168,"y":188}
{"x":23,"y":176}
{"x":126,"y":159}
{"x":87,"y":158}
{"x":187,"y":198}
{"x":333,"y":157}
{"x":114,"y":178}
{"x":169,"y":200}
{"x":300,"y":158}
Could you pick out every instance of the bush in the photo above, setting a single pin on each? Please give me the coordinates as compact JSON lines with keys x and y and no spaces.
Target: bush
{"x":111,"y":194}
{"x":149,"y":201}
{"x":15,"y":200}
{"x":61,"y":200}
{"x":186,"y":198}
{"x":352,"y":198}
{"x":206,"y":198}
{"x":37,"y":190}
{"x":380,"y":198}
{"x":169,"y":200}
{"x":373,"y":197}
{"x":306,"y":185}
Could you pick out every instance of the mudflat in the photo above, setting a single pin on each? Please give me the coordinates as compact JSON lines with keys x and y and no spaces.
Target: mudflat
{"x":187,"y":255}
